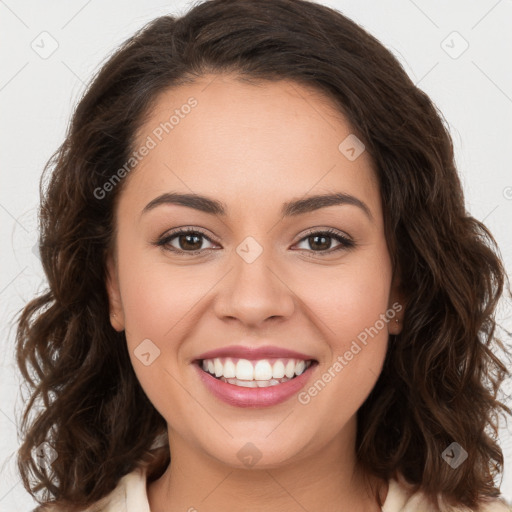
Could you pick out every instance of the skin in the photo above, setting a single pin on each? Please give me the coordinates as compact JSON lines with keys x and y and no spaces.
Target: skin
{"x":253,"y":147}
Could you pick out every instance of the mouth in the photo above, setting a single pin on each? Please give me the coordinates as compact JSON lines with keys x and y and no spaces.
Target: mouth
{"x":245,"y":376}
{"x":261,"y":373}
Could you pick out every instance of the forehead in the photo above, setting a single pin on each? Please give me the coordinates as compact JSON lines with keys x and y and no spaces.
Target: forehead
{"x":250,"y":145}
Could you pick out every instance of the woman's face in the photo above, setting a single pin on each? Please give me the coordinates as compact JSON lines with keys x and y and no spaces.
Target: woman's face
{"x":261,"y":275}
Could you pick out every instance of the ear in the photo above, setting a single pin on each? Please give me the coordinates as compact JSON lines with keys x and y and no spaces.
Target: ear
{"x":114,"y":295}
{"x":396,"y":305}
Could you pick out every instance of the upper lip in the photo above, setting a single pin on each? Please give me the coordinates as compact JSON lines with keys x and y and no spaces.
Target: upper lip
{"x":254,"y":353}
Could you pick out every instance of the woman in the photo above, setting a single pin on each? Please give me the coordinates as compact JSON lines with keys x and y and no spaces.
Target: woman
{"x":265,"y":291}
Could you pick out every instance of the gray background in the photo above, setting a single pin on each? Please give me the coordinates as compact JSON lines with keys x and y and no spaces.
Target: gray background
{"x":471,"y":86}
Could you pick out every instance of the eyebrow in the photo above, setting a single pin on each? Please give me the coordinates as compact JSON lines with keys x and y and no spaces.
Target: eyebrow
{"x":288,"y":209}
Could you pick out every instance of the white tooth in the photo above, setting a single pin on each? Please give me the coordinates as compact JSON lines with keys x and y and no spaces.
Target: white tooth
{"x":211,"y":367}
{"x":218,"y":367}
{"x":300,"y":367}
{"x":273,"y":382}
{"x":246,"y":383}
{"x":289,"y":371}
{"x":244,"y":370}
{"x":229,"y":369}
{"x":263,"y":370}
{"x":205,"y":365}
{"x":231,"y":381}
{"x":278,"y":370}
{"x":262,"y":383}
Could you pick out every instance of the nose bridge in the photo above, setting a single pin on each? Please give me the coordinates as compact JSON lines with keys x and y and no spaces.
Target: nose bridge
{"x":254,"y":291}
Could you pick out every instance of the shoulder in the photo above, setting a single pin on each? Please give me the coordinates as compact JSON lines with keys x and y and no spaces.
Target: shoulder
{"x":130,"y":495}
{"x":400,"y":498}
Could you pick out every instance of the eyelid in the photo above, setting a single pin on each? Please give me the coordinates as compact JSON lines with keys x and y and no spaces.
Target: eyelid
{"x":330,"y":231}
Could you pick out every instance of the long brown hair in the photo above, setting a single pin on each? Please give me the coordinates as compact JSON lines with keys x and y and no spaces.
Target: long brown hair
{"x":441,"y":377}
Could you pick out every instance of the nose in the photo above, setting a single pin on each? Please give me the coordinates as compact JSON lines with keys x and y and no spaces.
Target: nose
{"x":254,"y":292}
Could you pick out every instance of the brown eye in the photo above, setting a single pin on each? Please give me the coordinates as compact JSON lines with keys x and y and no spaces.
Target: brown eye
{"x":189,"y":242}
{"x":321,"y":241}
{"x":184,"y":241}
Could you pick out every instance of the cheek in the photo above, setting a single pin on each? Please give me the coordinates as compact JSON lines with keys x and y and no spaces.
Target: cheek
{"x":351,"y":315}
{"x":158,"y":302}
{"x":157,"y":294}
{"x":351,"y":297}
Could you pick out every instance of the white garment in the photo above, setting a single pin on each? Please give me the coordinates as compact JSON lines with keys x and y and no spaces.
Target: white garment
{"x":130,"y":496}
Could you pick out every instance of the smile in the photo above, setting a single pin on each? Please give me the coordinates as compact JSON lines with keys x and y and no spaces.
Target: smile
{"x":255,"y":373}
{"x":253,"y":383}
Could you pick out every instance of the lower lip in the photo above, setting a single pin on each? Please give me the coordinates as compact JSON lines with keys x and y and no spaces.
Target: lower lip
{"x":254,"y":397}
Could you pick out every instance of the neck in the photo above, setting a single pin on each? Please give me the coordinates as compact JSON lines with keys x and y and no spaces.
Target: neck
{"x":195,"y":481}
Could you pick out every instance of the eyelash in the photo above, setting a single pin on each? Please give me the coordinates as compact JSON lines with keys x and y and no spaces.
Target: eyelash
{"x":345,"y":243}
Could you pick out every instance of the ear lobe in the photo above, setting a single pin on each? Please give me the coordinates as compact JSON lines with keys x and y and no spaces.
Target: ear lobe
{"x":114,"y":295}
